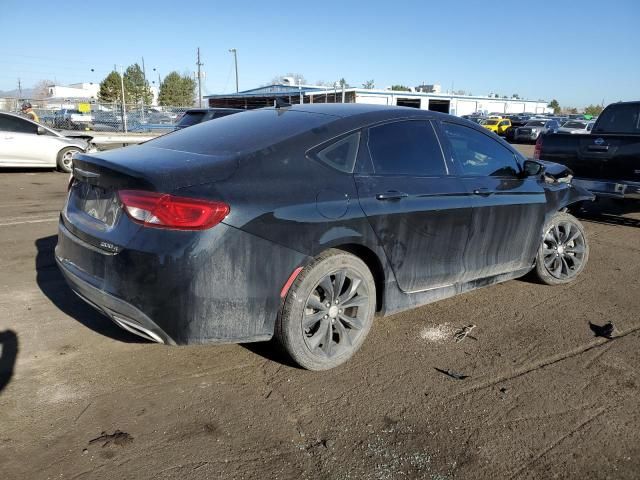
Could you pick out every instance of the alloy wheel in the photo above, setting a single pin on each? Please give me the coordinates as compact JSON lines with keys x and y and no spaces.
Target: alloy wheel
{"x":335,"y":313}
{"x":67,"y":158}
{"x":563,"y":250}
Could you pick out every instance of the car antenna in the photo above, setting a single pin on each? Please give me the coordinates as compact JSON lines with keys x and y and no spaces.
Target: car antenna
{"x":280,"y":103}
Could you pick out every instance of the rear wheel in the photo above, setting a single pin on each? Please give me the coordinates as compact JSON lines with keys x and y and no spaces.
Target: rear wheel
{"x":328,"y":312}
{"x":65,"y":159}
{"x":564,"y":250}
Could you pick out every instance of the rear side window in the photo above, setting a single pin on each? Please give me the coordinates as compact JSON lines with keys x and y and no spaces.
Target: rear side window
{"x":191,"y":118}
{"x":13,"y":124}
{"x":478,"y":154}
{"x":406,"y":148}
{"x":619,"y":119}
{"x":342,"y":154}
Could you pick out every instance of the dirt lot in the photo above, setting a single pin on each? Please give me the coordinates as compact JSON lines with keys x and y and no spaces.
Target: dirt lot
{"x":544,"y":397}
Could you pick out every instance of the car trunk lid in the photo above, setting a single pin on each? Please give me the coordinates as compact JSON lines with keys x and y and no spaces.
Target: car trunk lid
{"x":93,"y":211}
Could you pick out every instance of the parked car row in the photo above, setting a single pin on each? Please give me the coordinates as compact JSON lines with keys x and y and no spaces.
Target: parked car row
{"x":527,"y":128}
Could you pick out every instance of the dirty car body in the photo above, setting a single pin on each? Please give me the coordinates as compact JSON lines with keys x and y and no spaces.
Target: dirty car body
{"x":287,"y":185}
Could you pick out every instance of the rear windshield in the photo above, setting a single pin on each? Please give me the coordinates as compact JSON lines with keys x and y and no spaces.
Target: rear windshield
{"x":242,"y":132}
{"x":536,"y":123}
{"x":491,"y":122}
{"x":574,"y":125}
{"x":191,"y":118}
{"x":623,"y":118}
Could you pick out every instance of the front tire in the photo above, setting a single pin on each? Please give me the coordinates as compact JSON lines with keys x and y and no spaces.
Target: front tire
{"x":328,"y":311}
{"x":563,"y":252}
{"x":65,"y":159}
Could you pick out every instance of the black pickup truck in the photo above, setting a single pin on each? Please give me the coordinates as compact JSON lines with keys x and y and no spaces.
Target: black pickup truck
{"x":607,"y":161}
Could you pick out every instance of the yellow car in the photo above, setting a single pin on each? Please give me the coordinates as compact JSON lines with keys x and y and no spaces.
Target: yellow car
{"x":497,"y":125}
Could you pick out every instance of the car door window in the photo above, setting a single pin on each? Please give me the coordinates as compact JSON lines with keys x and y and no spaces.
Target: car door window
{"x":10,"y":123}
{"x":406,"y":148}
{"x":478,"y":154}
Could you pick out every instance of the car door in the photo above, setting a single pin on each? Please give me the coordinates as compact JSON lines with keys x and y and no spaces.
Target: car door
{"x":508,"y":207}
{"x":418,"y":209}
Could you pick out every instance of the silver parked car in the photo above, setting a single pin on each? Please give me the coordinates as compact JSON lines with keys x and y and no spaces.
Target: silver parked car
{"x":24,"y":143}
{"x":534,"y":128}
{"x":577,"y":126}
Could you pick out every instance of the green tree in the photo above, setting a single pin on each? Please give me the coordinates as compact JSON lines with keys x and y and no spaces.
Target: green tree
{"x":593,"y":110}
{"x":555,"y":105}
{"x":110,"y":89}
{"x":177,"y":90}
{"x":343,"y":83}
{"x":516,"y":96}
{"x":136,"y":87}
{"x":369,"y":84}
{"x":400,"y":88}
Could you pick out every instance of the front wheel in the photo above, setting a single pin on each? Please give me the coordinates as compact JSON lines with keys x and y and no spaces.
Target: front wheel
{"x":65,"y":159}
{"x":564,"y":250}
{"x":328,"y":312}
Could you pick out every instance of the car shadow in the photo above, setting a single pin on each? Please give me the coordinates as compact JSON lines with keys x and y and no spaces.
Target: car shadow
{"x":8,"y":356}
{"x":609,"y":212}
{"x":272,"y":351}
{"x":53,"y":285}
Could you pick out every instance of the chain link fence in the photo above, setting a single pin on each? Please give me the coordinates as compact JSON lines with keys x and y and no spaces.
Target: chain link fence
{"x":100,"y":117}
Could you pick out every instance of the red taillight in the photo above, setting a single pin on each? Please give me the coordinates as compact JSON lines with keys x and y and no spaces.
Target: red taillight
{"x":538,"y":149}
{"x":162,"y":210}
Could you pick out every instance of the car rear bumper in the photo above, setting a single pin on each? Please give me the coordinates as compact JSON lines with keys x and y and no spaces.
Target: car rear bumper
{"x":526,"y":137}
{"x":123,"y":314}
{"x":175,"y":287}
{"x":610,"y":188}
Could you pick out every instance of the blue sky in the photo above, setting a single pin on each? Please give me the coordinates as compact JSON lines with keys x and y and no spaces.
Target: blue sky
{"x":579,"y":52}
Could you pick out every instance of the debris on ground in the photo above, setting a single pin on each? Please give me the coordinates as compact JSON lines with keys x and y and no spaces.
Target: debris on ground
{"x":605,"y":331}
{"x":438,"y":333}
{"x":464,"y":332}
{"x":116,"y":438}
{"x":452,"y":374}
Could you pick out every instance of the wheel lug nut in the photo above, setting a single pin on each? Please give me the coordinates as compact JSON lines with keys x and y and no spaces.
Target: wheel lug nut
{"x":336,"y":302}
{"x":328,"y":304}
{"x":326,"y":316}
{"x":340,"y":311}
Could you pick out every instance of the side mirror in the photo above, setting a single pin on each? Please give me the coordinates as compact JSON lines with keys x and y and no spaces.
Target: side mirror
{"x":41,"y":131}
{"x":532,"y":168}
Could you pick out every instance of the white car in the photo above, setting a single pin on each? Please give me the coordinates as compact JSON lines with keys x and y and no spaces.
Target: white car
{"x":577,"y":126}
{"x":24,"y":143}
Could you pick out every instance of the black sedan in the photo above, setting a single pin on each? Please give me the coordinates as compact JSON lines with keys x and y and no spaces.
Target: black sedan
{"x":304,"y":222}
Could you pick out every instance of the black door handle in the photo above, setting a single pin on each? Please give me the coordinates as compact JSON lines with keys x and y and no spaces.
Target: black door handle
{"x":598,"y":148}
{"x":483,"y":192}
{"x":391,"y":195}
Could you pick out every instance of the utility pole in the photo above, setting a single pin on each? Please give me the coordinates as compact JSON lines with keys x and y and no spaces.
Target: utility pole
{"x":300,"y":90}
{"x":343,"y":91}
{"x":20,"y":88}
{"x":144,"y":86}
{"x":235,"y":59}
{"x":124,"y":108}
{"x":199,"y":64}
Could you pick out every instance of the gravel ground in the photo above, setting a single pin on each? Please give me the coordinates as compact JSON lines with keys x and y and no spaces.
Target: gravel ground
{"x":544,"y":397}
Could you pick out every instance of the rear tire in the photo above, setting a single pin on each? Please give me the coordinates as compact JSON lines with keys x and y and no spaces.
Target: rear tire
{"x":563,"y":252}
{"x":65,"y":159}
{"x":328,"y":311}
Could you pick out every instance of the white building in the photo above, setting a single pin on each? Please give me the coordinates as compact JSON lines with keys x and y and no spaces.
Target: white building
{"x":88,"y":92}
{"x":80,"y":91}
{"x":429,"y":97}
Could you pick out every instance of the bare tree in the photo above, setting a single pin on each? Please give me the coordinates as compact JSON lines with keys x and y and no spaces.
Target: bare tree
{"x":41,"y":89}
